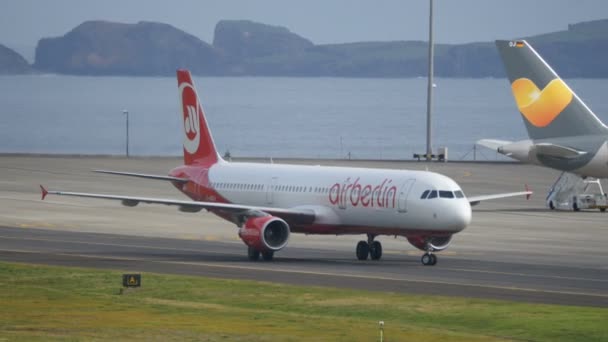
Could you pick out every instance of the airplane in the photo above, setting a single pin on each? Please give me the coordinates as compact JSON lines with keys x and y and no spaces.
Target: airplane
{"x":268,"y":202}
{"x":564,"y":133}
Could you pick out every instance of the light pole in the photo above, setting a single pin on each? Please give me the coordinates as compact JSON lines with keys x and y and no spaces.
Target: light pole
{"x":429,"y":99}
{"x":126,"y":113}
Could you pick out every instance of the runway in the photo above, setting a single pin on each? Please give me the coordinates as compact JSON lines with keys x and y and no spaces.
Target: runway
{"x":514,"y":249}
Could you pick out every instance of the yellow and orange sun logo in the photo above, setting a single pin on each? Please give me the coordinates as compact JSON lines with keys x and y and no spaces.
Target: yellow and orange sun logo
{"x":541,"y":107}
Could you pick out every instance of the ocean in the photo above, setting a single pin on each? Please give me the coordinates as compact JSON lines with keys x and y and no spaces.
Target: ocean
{"x":265,"y":116}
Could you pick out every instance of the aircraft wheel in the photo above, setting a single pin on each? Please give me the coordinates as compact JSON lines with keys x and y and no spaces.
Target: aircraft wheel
{"x":362,"y":250}
{"x":267,"y":255}
{"x":575,"y":207}
{"x":551,"y":206}
{"x":253,"y":254}
{"x":602,"y":209}
{"x":428,"y":259}
{"x":375,"y":250}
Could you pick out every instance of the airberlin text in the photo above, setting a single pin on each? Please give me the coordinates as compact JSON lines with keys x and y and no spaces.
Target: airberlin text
{"x":381,"y":195}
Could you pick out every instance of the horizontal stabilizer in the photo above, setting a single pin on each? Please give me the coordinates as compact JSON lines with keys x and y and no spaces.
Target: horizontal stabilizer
{"x":493,"y":144}
{"x":552,"y":150}
{"x":143,"y":175}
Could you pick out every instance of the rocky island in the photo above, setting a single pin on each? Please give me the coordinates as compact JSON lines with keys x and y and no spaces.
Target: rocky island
{"x":12,"y":63}
{"x":242,"y":47}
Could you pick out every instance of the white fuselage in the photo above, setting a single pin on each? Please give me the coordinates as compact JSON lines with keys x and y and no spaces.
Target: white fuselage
{"x":348,"y":197}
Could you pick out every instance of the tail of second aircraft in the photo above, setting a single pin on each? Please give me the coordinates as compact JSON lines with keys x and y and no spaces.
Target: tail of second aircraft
{"x":199,"y":148}
{"x":549,"y":107}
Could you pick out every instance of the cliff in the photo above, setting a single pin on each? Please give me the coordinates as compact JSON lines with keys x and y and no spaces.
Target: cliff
{"x":238,"y":41}
{"x":12,"y":63}
{"x":243,"y":47}
{"x":106,"y":48}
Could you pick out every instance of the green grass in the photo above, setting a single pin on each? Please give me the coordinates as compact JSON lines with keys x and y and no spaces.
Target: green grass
{"x":55,"y":303}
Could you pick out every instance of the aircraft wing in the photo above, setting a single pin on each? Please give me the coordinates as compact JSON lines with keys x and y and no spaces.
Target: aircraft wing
{"x":143,"y":175}
{"x":303,"y":216}
{"x":557,"y":151}
{"x":475,"y":200}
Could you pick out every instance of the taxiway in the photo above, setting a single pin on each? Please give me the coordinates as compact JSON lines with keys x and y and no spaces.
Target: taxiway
{"x":514,"y":249}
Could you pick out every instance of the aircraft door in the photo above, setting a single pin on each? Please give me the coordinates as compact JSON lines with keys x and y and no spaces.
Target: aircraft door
{"x":270,"y":189}
{"x":342,"y":200}
{"x":403,"y":193}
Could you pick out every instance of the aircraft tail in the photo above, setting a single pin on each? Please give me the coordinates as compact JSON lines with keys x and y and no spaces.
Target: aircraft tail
{"x":549,"y":107}
{"x":199,"y":148}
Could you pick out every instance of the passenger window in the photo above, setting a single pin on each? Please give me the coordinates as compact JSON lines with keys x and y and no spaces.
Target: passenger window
{"x":446,"y":194}
{"x":424,"y":194}
{"x":459,"y":194}
{"x":433,"y":194}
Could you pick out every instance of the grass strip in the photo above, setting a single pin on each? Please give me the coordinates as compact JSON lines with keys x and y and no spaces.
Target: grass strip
{"x":58,"y":303}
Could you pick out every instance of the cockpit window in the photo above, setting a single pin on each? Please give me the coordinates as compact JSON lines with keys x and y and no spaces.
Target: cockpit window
{"x":433,"y":194}
{"x":446,"y":194}
{"x":459,"y":194}
{"x":424,"y":194}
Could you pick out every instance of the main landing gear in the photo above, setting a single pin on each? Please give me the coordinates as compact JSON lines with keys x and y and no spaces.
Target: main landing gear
{"x":370,"y":248}
{"x":254,"y":255}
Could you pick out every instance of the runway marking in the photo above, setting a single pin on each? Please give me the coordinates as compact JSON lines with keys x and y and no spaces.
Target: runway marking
{"x":326,"y":274}
{"x":233,"y":242}
{"x":37,"y":225}
{"x":528,"y":275}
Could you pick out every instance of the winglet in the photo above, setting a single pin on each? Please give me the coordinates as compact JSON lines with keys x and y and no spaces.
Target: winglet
{"x":44,"y":192}
{"x":530,"y":192}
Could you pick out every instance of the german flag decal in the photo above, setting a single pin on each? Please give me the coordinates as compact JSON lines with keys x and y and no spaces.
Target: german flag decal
{"x":519,"y":44}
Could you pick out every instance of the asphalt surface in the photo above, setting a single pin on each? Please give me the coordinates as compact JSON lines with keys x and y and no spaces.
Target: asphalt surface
{"x":513,"y":250}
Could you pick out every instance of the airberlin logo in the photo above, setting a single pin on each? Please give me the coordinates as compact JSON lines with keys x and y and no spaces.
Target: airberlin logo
{"x":541,"y":107}
{"x":190,"y":110}
{"x":382,"y":195}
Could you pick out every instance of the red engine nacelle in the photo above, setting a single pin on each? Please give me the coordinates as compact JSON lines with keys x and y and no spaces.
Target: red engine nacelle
{"x":265,"y":233}
{"x":434,"y":243}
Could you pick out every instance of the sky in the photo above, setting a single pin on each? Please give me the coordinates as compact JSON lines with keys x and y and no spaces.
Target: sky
{"x":24,"y":22}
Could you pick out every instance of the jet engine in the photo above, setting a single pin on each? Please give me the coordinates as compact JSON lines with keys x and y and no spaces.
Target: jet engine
{"x":265,"y":233}
{"x":430,"y":243}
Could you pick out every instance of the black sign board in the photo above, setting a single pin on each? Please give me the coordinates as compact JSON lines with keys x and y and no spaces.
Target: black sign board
{"x":131,"y":280}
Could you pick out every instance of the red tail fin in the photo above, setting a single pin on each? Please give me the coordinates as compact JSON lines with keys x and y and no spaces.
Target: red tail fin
{"x":199,"y":148}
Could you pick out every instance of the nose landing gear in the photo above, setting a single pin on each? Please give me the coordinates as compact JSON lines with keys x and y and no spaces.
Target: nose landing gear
{"x":370,"y":248}
{"x":428,"y":259}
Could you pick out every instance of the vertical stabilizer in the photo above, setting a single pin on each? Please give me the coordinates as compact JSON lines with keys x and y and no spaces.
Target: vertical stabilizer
{"x":549,"y":107}
{"x":199,"y":148}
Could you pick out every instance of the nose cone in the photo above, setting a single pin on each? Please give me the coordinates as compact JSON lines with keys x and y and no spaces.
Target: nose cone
{"x":460,"y":215}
